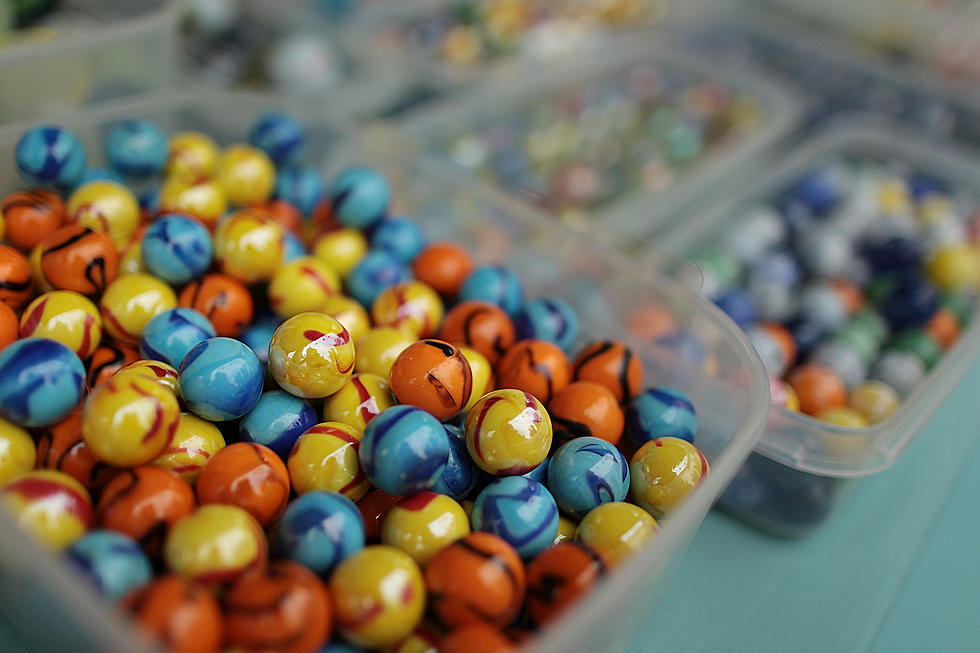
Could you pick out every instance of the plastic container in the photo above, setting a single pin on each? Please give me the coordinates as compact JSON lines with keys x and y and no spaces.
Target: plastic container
{"x":295,"y":47}
{"x":939,"y":35}
{"x":92,"y":51}
{"x":37,"y":592}
{"x":635,"y":214}
{"x":829,"y":74}
{"x":403,"y":29}
{"x":792,"y":479}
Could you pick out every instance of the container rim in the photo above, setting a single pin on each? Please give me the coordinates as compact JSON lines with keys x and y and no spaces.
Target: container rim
{"x":618,"y":587}
{"x":19,"y":54}
{"x":637,"y":214}
{"x":885,"y":441}
{"x":836,"y":46}
{"x":610,"y":595}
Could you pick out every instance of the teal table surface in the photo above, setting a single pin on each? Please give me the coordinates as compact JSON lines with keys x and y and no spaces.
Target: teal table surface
{"x":895,"y":568}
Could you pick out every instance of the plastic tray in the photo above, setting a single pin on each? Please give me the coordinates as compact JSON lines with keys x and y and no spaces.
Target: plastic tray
{"x":637,"y":214}
{"x":383,"y":31}
{"x":100,"y":50}
{"x":940,"y":35}
{"x":727,"y":383}
{"x":362,"y":87}
{"x":798,"y":455}
{"x":833,"y":74}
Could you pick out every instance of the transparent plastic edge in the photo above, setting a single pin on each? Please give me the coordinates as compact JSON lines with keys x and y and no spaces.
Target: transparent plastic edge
{"x":166,"y":14}
{"x":643,"y":212}
{"x":640,"y":572}
{"x":845,"y":51}
{"x":51,"y":574}
{"x":635,"y":217}
{"x":611,"y":596}
{"x":883,"y":442}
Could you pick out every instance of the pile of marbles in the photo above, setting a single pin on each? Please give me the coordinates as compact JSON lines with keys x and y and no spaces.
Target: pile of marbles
{"x":584,"y":147}
{"x":259,"y":411}
{"x":851,"y":283}
{"x":473,"y":32}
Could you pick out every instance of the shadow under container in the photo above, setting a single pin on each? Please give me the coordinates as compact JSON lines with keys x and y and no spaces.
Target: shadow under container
{"x":541,"y":130}
{"x":799,"y":471}
{"x":44,"y":599}
{"x":93,"y":51}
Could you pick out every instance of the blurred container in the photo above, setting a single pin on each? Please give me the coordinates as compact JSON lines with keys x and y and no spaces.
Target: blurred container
{"x":943,"y":36}
{"x":791,"y":482}
{"x":454,"y":41}
{"x":85,"y":52}
{"x":718,"y":118}
{"x":830,"y":74}
{"x":718,"y":369}
{"x":294,"y":47}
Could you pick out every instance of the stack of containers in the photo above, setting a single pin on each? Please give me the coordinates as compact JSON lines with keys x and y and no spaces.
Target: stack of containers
{"x":86,"y":52}
{"x":794,"y":479}
{"x":719,"y":371}
{"x":617,"y":143}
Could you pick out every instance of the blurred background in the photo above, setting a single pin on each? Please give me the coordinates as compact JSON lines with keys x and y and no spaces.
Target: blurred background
{"x":659,"y":125}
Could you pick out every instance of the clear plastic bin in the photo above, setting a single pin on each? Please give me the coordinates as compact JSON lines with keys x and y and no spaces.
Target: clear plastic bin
{"x":93,"y":51}
{"x":299,"y":48}
{"x":830,"y":75}
{"x":941,"y":36}
{"x":800,"y":458}
{"x":639,"y":213}
{"x":389,"y":30}
{"x":725,"y":379}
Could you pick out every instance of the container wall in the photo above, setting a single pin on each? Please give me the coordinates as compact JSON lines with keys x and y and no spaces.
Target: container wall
{"x":98,"y":51}
{"x":707,"y":358}
{"x":789,"y":484}
{"x":644,"y":206}
{"x":941,"y":36}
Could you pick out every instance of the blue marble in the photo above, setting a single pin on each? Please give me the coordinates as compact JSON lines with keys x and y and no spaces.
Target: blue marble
{"x":460,"y":477}
{"x":547,"y":318}
{"x":259,"y":333}
{"x":221,"y":379}
{"x":520,"y":511}
{"x":912,"y":302}
{"x":169,"y":336}
{"x":739,"y":306}
{"x":176,"y":248}
{"x":378,"y":270}
{"x":277,"y":421}
{"x":41,"y":381}
{"x":136,"y":148}
{"x":294,"y":248}
{"x":318,"y":530}
{"x":585,"y":473}
{"x":400,"y":236}
{"x":404,"y":450}
{"x":50,"y":156}
{"x":280,"y":136}
{"x":301,"y":186}
{"x":114,"y":563}
{"x":359,"y":197}
{"x":495,"y":284}
{"x":540,"y":473}
{"x":660,"y":413}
